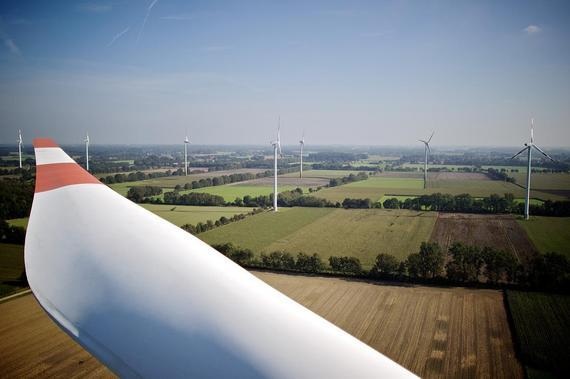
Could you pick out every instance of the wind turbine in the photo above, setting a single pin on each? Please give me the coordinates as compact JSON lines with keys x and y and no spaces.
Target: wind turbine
{"x":302,"y":143}
{"x":20,"y":142}
{"x":528,"y":147}
{"x":276,"y":145}
{"x":87,"y":150}
{"x":427,"y":149}
{"x":186,"y":142}
{"x":143,"y":326}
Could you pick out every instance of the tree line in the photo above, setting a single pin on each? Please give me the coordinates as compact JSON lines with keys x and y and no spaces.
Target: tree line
{"x":201,"y":227}
{"x":348,"y":179}
{"x":465,"y":203}
{"x":466,"y":265}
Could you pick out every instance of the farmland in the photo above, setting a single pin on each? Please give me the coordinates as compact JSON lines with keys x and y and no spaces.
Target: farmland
{"x":362,"y":233}
{"x":185,"y":214}
{"x":498,"y":231}
{"x":230,"y":191}
{"x":554,"y":183}
{"x":542,"y":329}
{"x":170,"y":182}
{"x":434,"y":332}
{"x":409,"y":184}
{"x":549,"y":234}
{"x":11,"y":267}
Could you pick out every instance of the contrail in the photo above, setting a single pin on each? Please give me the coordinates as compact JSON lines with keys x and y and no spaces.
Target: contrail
{"x":117,"y":36}
{"x":146,"y":17}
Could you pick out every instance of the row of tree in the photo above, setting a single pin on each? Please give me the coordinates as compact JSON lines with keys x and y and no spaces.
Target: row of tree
{"x":16,"y":197}
{"x":465,"y":264}
{"x":201,"y":227}
{"x":348,"y":179}
{"x":221,"y":180}
{"x":139,"y":193}
{"x":465,"y":203}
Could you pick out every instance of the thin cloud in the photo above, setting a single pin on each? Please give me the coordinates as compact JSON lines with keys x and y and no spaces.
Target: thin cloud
{"x":94,"y":7}
{"x":532,"y":29}
{"x":117,"y":36}
{"x":8,"y":41}
{"x":179,"y":17}
{"x":146,"y":18}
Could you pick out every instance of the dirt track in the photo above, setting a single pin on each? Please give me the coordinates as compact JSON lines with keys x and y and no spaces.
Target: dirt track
{"x":435,"y":332}
{"x":497,"y":231}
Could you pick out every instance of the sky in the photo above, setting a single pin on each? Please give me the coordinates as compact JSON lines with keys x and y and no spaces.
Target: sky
{"x":342,"y":72}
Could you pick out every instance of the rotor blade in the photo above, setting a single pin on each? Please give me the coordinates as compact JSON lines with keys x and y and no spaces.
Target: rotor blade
{"x":421,"y":140}
{"x":517,"y":154}
{"x":429,"y":140}
{"x":532,"y":130}
{"x":427,"y":145}
{"x":543,"y":153}
{"x":151,"y":300}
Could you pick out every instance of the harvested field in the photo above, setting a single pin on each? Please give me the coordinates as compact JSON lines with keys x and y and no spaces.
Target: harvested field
{"x":497,"y":231}
{"x":31,"y":345}
{"x":434,"y":332}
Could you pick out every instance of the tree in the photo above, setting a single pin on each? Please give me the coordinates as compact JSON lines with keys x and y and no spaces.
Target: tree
{"x":385,"y":265}
{"x":500,"y":265}
{"x":346,"y":265}
{"x":309,"y":263}
{"x":428,"y":263}
{"x":466,"y":263}
{"x":391,"y":203}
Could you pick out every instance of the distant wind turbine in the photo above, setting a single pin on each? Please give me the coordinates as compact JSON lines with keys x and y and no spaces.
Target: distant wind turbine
{"x":276,"y":146}
{"x":20,"y":142}
{"x":302,"y":143}
{"x":528,"y":147}
{"x":186,"y":142}
{"x":87,"y":150}
{"x":427,"y":149}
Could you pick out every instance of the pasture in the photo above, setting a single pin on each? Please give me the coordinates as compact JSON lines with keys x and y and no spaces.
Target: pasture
{"x":553,"y":183}
{"x":434,"y":332}
{"x":362,"y":233}
{"x":373,"y":188}
{"x":185,"y":214}
{"x":498,"y":231}
{"x":541,"y":325}
{"x":19,"y":222}
{"x":549,"y":234}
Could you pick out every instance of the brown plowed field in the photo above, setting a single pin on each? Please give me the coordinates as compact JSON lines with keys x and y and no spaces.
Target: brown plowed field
{"x":458,"y":176}
{"x":498,"y":231}
{"x":434,"y":332}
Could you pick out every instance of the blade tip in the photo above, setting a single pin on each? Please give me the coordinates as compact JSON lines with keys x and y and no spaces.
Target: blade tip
{"x":44,"y":142}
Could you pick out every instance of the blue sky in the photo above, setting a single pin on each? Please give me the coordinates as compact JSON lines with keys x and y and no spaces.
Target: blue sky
{"x":371,"y":73}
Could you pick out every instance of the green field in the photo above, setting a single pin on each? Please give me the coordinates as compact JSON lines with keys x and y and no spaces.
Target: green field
{"x":372,"y":188}
{"x":363,"y":233}
{"x":542,"y":329}
{"x":20,"y":222}
{"x":11,"y":267}
{"x":545,"y":181}
{"x":377,"y":187}
{"x":549,"y":234}
{"x":184,"y":214}
{"x":326,"y":174}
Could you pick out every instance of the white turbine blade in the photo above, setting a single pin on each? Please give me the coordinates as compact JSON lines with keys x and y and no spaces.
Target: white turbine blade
{"x":427,"y":145}
{"x":429,"y":140}
{"x":421,"y":140}
{"x":543,"y":153}
{"x":148,"y":299}
{"x":531,"y":130}
{"x":517,"y":154}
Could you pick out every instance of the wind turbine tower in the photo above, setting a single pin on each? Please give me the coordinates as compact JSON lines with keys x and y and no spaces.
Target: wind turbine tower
{"x":302,"y":143}
{"x":528,"y":147}
{"x":276,"y":146}
{"x":20,"y":146}
{"x":87,"y":150}
{"x":186,"y":142}
{"x":427,"y":149}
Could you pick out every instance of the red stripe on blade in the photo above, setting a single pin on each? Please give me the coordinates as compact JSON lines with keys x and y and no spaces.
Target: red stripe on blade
{"x":44,"y":142}
{"x":52,"y":176}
